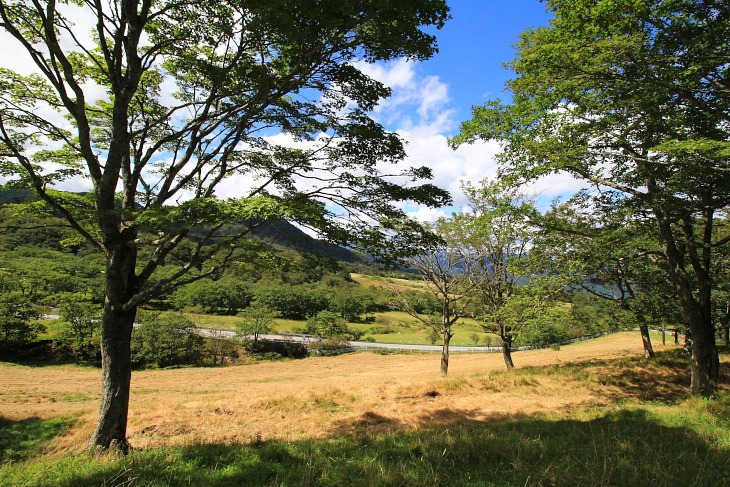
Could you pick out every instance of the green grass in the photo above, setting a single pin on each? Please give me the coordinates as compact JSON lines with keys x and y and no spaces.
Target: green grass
{"x":687,"y":444}
{"x":403,"y":328}
{"x":20,"y":440}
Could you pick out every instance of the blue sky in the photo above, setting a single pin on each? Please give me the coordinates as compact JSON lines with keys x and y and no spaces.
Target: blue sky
{"x":475,"y":44}
{"x":431,"y":98}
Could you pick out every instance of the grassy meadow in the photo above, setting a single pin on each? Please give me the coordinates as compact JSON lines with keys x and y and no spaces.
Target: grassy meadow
{"x":395,"y":327}
{"x":592,"y":413}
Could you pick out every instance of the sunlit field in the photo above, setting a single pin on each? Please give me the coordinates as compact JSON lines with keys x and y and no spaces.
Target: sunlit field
{"x":401,"y":328}
{"x":322,"y":396}
{"x":591,"y":413}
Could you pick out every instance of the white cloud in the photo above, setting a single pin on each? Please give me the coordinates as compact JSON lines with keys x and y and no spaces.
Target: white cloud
{"x":433,"y":95}
{"x":419,"y":111}
{"x":397,"y":74}
{"x":473,"y":162}
{"x":416,"y":100}
{"x":428,"y":215}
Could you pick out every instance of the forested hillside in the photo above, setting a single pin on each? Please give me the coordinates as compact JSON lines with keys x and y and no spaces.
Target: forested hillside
{"x":43,"y":265}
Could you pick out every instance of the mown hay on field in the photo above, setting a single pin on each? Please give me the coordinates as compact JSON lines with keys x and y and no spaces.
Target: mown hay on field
{"x":330,"y":396}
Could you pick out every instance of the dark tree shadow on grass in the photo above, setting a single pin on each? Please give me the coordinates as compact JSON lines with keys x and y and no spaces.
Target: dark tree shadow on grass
{"x":665,"y":379}
{"x":20,"y":440}
{"x":618,"y":448}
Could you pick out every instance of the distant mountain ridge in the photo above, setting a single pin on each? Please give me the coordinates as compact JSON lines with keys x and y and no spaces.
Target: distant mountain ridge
{"x":278,"y":232}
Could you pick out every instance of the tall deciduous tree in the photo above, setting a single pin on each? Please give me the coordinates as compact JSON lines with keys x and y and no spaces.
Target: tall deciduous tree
{"x":167,"y":100}
{"x":632,"y":97}
{"x":617,"y":252}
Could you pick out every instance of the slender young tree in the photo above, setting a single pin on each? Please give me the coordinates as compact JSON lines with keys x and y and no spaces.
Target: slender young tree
{"x":632,"y":98}
{"x":446,"y":274}
{"x":162,"y":103}
{"x":256,"y":320}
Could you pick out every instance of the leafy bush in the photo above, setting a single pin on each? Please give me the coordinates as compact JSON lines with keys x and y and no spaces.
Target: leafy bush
{"x":81,"y":322}
{"x":166,"y":339}
{"x":266,"y":348}
{"x":381,"y":330}
{"x":433,"y":336}
{"x":332,"y":344}
{"x":326,"y":324}
{"x":221,"y":347}
{"x":17,"y":325}
{"x":292,"y":302}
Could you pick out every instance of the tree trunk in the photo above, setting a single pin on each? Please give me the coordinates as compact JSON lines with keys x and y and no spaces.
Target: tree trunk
{"x":705,"y":360}
{"x":726,"y":335}
{"x":445,"y":354}
{"x":695,"y":298}
{"x":648,"y":349}
{"x":116,"y":373}
{"x":507,"y":353}
{"x":116,"y":362}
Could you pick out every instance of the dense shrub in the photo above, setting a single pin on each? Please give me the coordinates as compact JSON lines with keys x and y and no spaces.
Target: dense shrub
{"x":166,"y":339}
{"x":17,"y":321}
{"x":283,"y":349}
{"x":326,"y":324}
{"x":292,"y":302}
{"x":224,"y":296}
{"x":81,"y":323}
{"x":330,"y":345}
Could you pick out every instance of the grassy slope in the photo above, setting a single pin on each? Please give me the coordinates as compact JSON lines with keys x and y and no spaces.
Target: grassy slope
{"x":633,"y":425}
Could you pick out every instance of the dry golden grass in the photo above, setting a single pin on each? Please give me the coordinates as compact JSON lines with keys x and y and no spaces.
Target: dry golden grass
{"x":318,"y":396}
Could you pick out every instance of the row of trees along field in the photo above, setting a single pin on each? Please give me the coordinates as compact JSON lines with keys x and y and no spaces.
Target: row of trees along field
{"x":630,"y":97}
{"x":499,"y":267}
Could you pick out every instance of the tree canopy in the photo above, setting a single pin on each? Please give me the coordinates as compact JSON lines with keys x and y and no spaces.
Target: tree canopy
{"x":632,"y":98}
{"x":161,"y":104}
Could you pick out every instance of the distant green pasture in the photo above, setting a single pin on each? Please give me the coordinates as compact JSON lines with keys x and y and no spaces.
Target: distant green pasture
{"x":388,"y":327}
